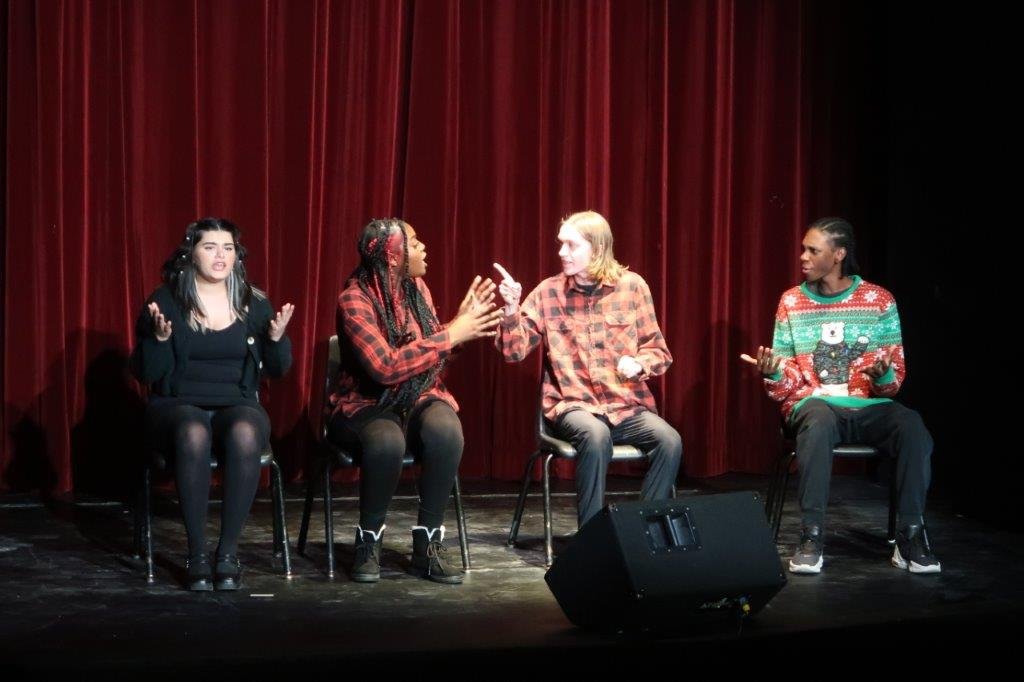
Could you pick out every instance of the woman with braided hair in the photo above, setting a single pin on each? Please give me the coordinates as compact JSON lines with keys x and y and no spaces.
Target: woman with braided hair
{"x":389,"y":395}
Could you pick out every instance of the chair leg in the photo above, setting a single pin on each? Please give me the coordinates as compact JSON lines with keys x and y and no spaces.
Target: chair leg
{"x":307,"y":511}
{"x":781,"y":501}
{"x":276,"y":543}
{"x":779,"y":498}
{"x":517,"y":518}
{"x":137,"y":525}
{"x":771,"y":495}
{"x":548,"y":544}
{"x":329,"y":519}
{"x":894,"y":502}
{"x":460,"y":518}
{"x":147,"y":529}
{"x":280,"y":521}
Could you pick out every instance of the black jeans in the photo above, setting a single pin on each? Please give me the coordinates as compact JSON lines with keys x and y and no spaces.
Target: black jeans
{"x":190,"y":435}
{"x":890,"y":427}
{"x":593,"y":438}
{"x":379,"y":438}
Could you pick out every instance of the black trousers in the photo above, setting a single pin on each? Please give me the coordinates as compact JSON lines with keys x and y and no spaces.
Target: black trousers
{"x":379,"y":439}
{"x":890,"y":427}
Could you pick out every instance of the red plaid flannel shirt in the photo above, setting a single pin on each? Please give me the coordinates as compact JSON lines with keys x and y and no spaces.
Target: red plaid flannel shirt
{"x":369,"y":364}
{"x":584,"y":337}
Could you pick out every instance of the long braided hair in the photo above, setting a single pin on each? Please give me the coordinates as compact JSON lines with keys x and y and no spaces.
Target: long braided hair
{"x":395,"y":301}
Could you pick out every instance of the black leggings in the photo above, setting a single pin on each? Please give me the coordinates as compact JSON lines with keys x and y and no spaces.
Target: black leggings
{"x":236,"y":435}
{"x":377,"y":438}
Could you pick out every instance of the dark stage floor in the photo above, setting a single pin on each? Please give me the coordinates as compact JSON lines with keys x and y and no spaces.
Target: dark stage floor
{"x":72,"y":599}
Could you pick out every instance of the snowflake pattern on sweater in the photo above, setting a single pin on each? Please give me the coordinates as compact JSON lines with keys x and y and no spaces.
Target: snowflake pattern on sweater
{"x":827,"y":342}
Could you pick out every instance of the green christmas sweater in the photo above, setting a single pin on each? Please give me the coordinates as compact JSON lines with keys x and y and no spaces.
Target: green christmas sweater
{"x":827,"y":341}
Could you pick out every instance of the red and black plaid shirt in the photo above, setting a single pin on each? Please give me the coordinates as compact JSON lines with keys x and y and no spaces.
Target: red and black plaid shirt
{"x":584,"y":336}
{"x":369,"y":365}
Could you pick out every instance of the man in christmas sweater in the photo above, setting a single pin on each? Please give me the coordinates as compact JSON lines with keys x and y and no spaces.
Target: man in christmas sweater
{"x":836,"y":361}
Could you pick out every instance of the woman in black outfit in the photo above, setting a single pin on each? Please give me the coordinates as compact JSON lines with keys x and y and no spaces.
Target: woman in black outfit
{"x":202,"y":341}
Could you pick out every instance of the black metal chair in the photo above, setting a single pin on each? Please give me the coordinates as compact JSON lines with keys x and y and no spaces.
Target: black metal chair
{"x":776,"y":496}
{"x":551,"y":447}
{"x":335,"y":456}
{"x":144,"y":521}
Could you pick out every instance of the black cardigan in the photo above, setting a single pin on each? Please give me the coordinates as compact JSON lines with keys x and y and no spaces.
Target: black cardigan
{"x":161,"y":364}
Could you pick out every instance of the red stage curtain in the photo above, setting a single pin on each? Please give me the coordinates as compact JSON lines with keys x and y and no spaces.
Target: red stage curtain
{"x":689,"y":125}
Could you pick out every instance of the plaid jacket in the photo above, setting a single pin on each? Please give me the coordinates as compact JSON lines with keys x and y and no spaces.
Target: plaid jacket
{"x":584,"y":336}
{"x":369,"y":365}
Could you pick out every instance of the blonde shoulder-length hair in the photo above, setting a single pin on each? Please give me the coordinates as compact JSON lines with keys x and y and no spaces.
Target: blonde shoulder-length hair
{"x":596,"y":230}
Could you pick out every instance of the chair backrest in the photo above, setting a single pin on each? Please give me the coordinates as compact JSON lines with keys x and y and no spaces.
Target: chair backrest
{"x":333,"y":364}
{"x":542,"y":425}
{"x":331,"y":368}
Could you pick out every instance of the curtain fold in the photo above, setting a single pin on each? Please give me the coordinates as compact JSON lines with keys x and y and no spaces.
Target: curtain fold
{"x":482,"y":123}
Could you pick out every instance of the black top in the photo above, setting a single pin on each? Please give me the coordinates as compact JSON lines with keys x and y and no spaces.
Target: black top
{"x":166,"y":366}
{"x":214,"y":371}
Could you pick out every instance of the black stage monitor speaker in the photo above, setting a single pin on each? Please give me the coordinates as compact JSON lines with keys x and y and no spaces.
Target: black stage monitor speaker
{"x":668,"y":564}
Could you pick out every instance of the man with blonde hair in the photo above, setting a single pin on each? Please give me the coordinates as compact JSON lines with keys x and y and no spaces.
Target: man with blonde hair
{"x":602,"y":342}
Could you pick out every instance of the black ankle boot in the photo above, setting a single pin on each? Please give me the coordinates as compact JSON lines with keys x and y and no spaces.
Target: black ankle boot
{"x":430,"y":556}
{"x":200,"y":576}
{"x":366,"y":567}
{"x":228,"y":573}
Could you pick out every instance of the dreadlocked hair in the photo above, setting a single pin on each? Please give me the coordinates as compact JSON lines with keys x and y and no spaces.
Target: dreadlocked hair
{"x":395,"y":303}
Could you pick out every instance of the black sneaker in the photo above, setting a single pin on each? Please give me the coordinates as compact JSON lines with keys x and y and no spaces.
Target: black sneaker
{"x":430,"y":556}
{"x":808,"y":556}
{"x":913,"y":551}
{"x":200,"y":575}
{"x":366,"y":567}
{"x":228,"y":573}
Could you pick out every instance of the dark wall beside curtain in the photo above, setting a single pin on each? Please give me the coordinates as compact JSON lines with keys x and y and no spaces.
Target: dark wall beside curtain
{"x":941,"y":145}
{"x":709,"y":133}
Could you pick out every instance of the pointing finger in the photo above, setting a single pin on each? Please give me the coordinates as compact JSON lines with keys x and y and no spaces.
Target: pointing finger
{"x":504,"y":272}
